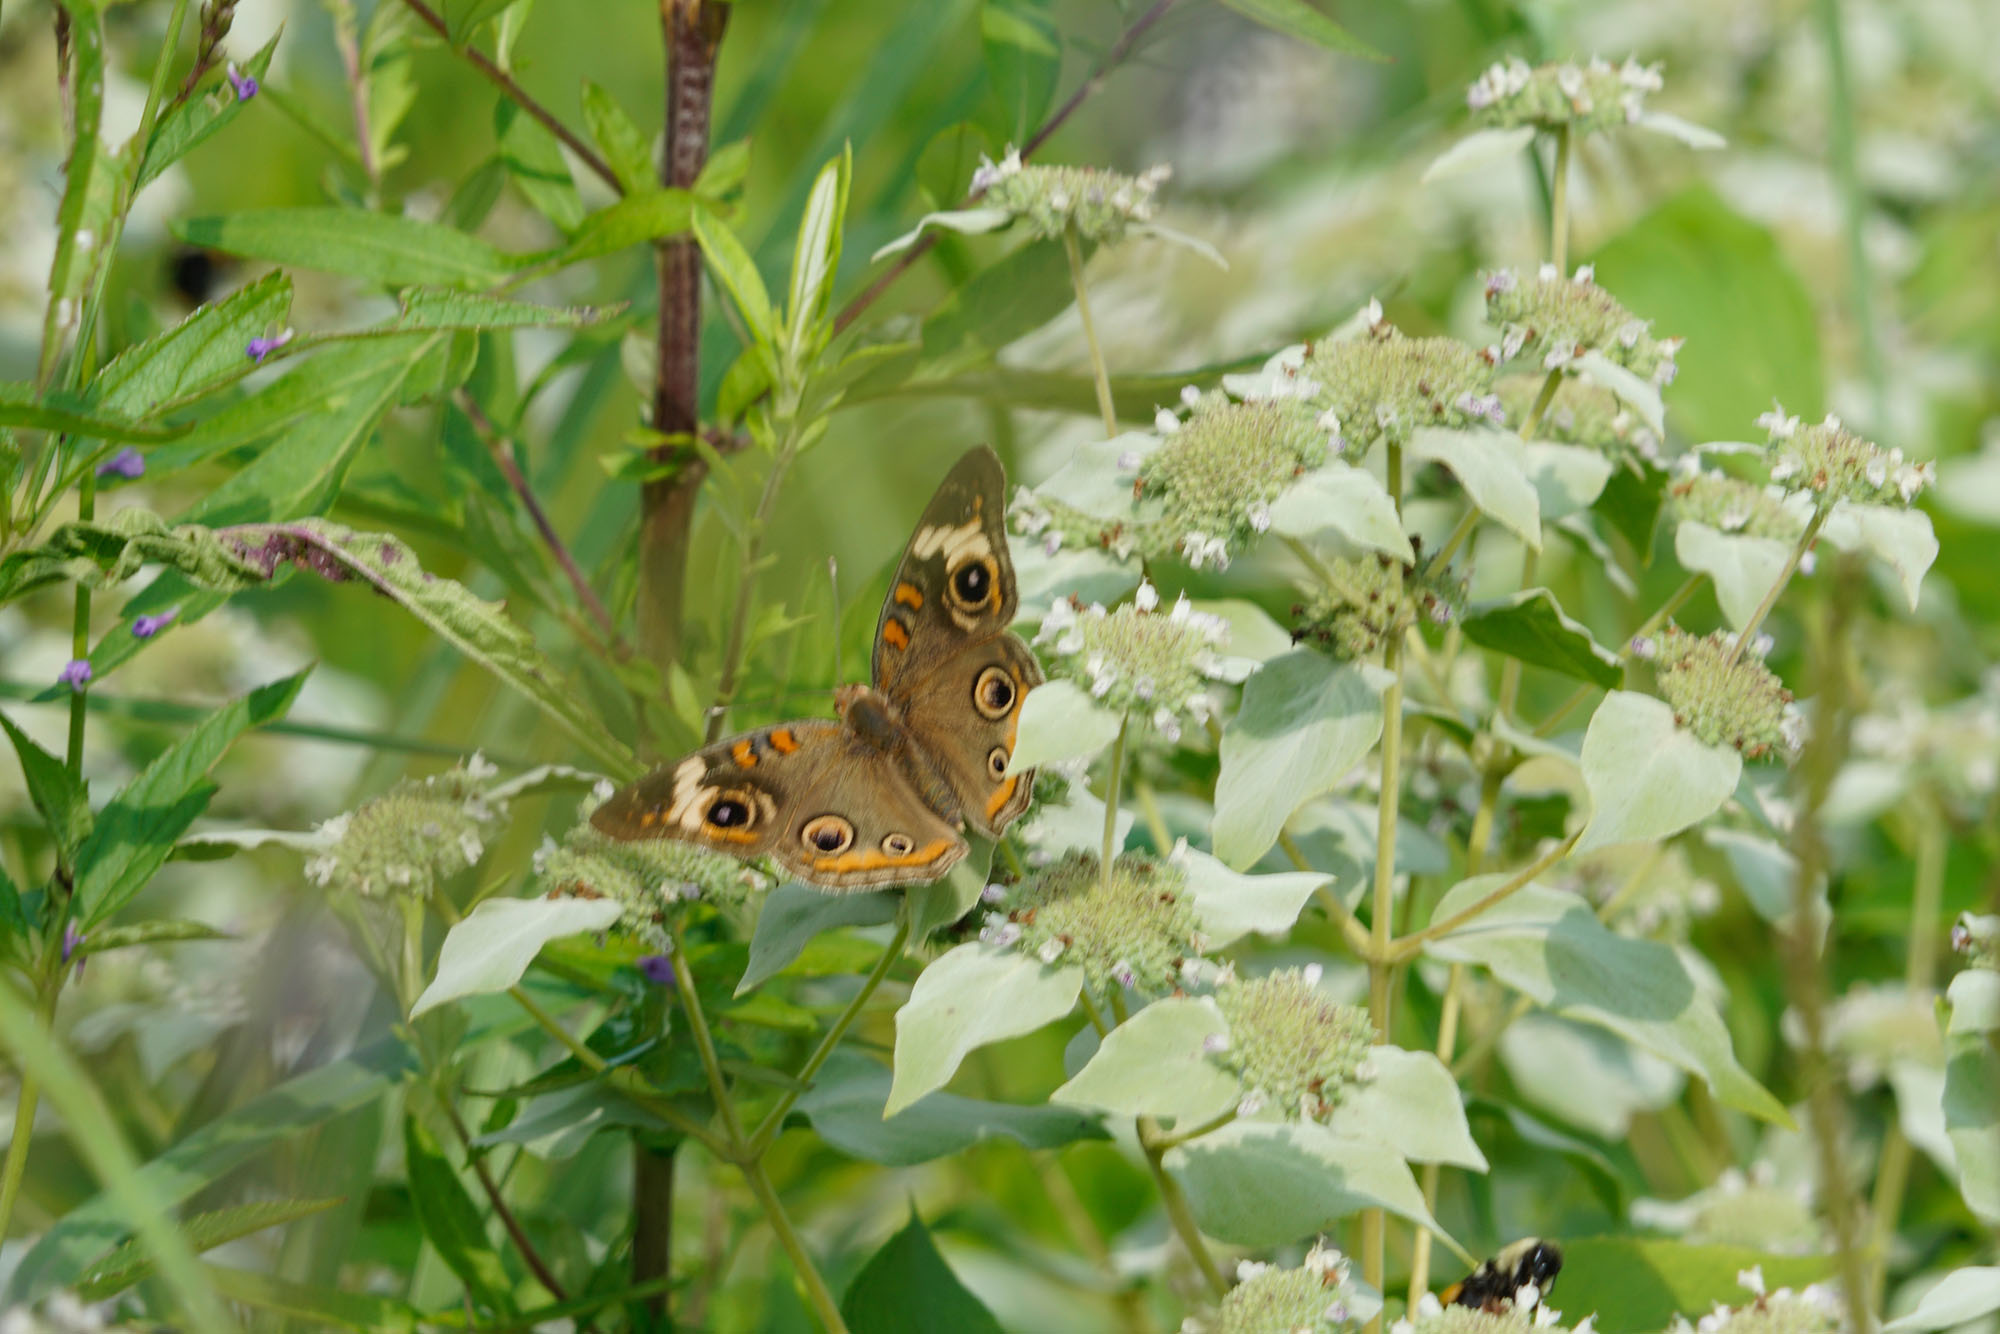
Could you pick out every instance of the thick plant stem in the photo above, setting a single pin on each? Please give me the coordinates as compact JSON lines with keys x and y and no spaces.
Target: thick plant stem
{"x":79,"y":704}
{"x":1106,"y":409}
{"x":1756,"y":621}
{"x":817,"y":1293}
{"x":1559,"y":204}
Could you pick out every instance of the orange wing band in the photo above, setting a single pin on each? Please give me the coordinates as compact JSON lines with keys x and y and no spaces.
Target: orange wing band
{"x":872,"y":860}
{"x":894,"y":635}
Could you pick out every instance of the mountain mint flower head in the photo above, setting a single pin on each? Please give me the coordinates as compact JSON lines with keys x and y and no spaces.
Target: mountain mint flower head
{"x":1060,"y":527}
{"x":1814,"y":1310}
{"x":1835,"y":464}
{"x":1382,"y":386}
{"x":1315,"y":1298}
{"x":1135,"y":931}
{"x":1523,"y":1316}
{"x":1740,"y":704}
{"x":1048,"y":200}
{"x":417,"y":833}
{"x":647,"y":877}
{"x":1730,"y":505}
{"x":1220,"y":470}
{"x":1555,"y":320}
{"x":1368,"y":605}
{"x":1581,"y":414}
{"x":1138,"y":659}
{"x":1296,"y":1051}
{"x":1978,"y":939}
{"x":127,"y":463}
{"x":1596,"y":96}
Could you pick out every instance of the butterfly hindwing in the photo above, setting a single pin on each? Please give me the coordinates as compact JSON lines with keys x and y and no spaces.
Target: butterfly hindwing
{"x":965,"y":716}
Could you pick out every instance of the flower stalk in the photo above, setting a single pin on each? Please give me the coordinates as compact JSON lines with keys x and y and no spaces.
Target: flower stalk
{"x":1756,"y":621}
{"x":1073,"y":248}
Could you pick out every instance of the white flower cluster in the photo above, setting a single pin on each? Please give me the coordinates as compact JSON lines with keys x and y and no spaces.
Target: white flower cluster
{"x":1831,"y":461}
{"x":1595,"y":95}
{"x":1138,"y":661}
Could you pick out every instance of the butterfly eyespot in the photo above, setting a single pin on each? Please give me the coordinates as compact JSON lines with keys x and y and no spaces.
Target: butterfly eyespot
{"x":996,"y":761}
{"x":729,"y":813}
{"x":993,"y":692}
{"x":827,"y":834}
{"x":897,"y":845}
{"x":972,"y":583}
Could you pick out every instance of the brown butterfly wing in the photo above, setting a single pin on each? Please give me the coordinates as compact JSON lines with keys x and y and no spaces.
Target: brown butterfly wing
{"x":827,"y":806}
{"x":964,"y":716}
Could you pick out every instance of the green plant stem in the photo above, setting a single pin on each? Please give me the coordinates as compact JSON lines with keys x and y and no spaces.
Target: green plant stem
{"x":1149,"y":809}
{"x":1092,"y":1013}
{"x":1112,"y":782}
{"x":1105,"y":407}
{"x":1442,"y":556}
{"x":1539,"y":408}
{"x":704,"y":1041}
{"x":1420,"y":1249}
{"x":1356,"y":934}
{"x":1409,"y":946}
{"x":1178,"y":1212}
{"x":773,"y":1121}
{"x":1559,"y":211}
{"x":1756,"y":621}
{"x":1653,"y":623}
{"x":1920,"y":957}
{"x":1854,"y":208}
{"x":817,"y":1292}
{"x":1130,"y":1301}
{"x":27,"y":1101}
{"x":79,"y":636}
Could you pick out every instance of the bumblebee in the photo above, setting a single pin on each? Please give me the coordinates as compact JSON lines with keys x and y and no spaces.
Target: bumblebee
{"x":1530,"y":1262}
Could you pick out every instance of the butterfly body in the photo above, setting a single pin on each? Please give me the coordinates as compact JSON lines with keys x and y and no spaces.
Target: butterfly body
{"x":879,"y":797}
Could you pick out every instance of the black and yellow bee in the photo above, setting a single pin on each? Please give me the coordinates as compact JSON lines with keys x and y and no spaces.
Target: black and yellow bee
{"x":1530,"y":1262}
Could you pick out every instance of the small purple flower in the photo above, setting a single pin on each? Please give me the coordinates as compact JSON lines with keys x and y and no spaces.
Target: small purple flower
{"x":244,"y":84}
{"x":75,"y":674}
{"x":128,"y":463}
{"x":145,"y":627}
{"x":659,"y":969}
{"x":259,"y":348}
{"x":72,"y":942}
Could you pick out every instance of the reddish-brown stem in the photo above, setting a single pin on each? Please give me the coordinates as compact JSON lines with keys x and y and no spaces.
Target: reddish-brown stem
{"x":515,"y":1232}
{"x":504,"y":81}
{"x":1112,"y":59}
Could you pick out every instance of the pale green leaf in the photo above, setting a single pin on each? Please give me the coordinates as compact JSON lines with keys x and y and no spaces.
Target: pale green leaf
{"x":1490,"y":465}
{"x":845,"y":1107}
{"x":1743,"y":568}
{"x":1060,"y":721}
{"x":493,"y":945}
{"x":816,"y":255}
{"x":1901,"y":539}
{"x":378,"y":247}
{"x":1154,"y":1064}
{"x":1479,"y":150}
{"x":1585,"y":1076}
{"x":1304,"y":722}
{"x":1230,"y":905}
{"x":1639,"y":394}
{"x":1687,"y":132}
{"x":792,"y":914}
{"x":965,"y":221}
{"x":1768,"y":873}
{"x":1566,"y":478}
{"x":1975,"y":1002}
{"x":1296,"y":18}
{"x":1960,"y":1297}
{"x":1972,"y":1119}
{"x":737,"y":272}
{"x":1648,"y":779}
{"x":973,"y":995}
{"x":1345,"y":501}
{"x":1413,"y":1106}
{"x":1090,"y":574}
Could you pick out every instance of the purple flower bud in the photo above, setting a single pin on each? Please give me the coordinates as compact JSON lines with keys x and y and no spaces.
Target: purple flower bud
{"x":145,"y":627}
{"x":72,"y":938}
{"x":259,"y":348}
{"x":76,"y":674}
{"x":659,"y":969}
{"x":244,"y":84}
{"x":128,"y":463}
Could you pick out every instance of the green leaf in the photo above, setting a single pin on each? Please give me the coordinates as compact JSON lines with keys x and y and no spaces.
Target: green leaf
{"x":1491,"y":466}
{"x":816,"y":258}
{"x":1154,"y":1064}
{"x":1002,"y":302}
{"x":907,"y":1288}
{"x":1960,"y":1297}
{"x":1023,"y":49}
{"x":204,"y":350}
{"x":1480,"y":150}
{"x":494,"y":944}
{"x":1060,"y":721}
{"x":1631,"y":501}
{"x":968,"y":997}
{"x":204,"y":1232}
{"x":1585,"y":1076}
{"x":58,"y":794}
{"x":638,"y":219}
{"x":161,"y":932}
{"x":845,"y":1107}
{"x":1549,"y":946}
{"x":185,"y":126}
{"x":1263,"y":1183}
{"x":793,"y":914}
{"x":1901,"y":539}
{"x":623,"y":143}
{"x":277,"y":1116}
{"x":1346,"y":501}
{"x":450,"y":1220}
{"x":317,"y":1307}
{"x":1975,"y":1002}
{"x":1694,"y":266}
{"x":1531,"y":626}
{"x":942,"y":902}
{"x":1637,"y":1285}
{"x":20,"y":406}
{"x":1413,"y":1106}
{"x":1768,"y":873}
{"x":136,"y":830}
{"x":1972,"y":1119}
{"x":1742,"y":568}
{"x":535,"y":161}
{"x":1231,"y":905}
{"x":89,"y":175}
{"x":378,"y":247}
{"x":1296,"y":18}
{"x":1566,"y":478}
{"x":442,"y":308}
{"x":1304,"y":722}
{"x":1639,"y":394}
{"x":737,"y":272}
{"x":1647,"y":778}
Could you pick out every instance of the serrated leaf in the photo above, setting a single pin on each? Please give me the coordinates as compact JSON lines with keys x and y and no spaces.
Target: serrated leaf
{"x":163,"y":931}
{"x":907,"y":1288}
{"x":450,"y":1221}
{"x":1648,"y":779}
{"x":204,"y":1232}
{"x":638,"y":219}
{"x":623,"y":143}
{"x":1262,"y":1183}
{"x":1491,"y":467}
{"x":376,"y":247}
{"x":443,"y":308}
{"x":1548,"y":945}
{"x":1742,"y":568}
{"x":1344,"y":500}
{"x":1154,"y":1064}
{"x":493,"y":945}
{"x":21,"y":406}
{"x":204,"y":350}
{"x":534,"y":159}
{"x":59,"y":795}
{"x":317,"y":1307}
{"x":845,"y":1107}
{"x":1531,"y":626}
{"x":1304,"y":722}
{"x":1413,"y":1106}
{"x":737,"y":271}
{"x":1478,"y":150}
{"x":968,"y":997}
{"x":186,"y":125}
{"x":793,"y":914}
{"x":1060,"y":721}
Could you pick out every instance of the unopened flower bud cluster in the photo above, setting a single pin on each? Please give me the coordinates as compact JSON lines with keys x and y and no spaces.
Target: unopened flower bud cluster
{"x":1138,"y":659}
{"x":1297,"y":1051}
{"x":1555,"y":320}
{"x":1100,"y":204}
{"x":1365,"y":603}
{"x":1581,"y":414}
{"x":1525,"y":1314}
{"x":1978,"y":939}
{"x":1219,"y":471}
{"x":1815,"y":1309}
{"x":1835,"y":464}
{"x":1314,"y":1298}
{"x":1380,"y":387}
{"x":1593,"y":96}
{"x":1061,"y":527}
{"x":1134,"y":929}
{"x":1740,"y":704}
{"x":419,"y":832}
{"x":648,"y":878}
{"x":1731,"y":505}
